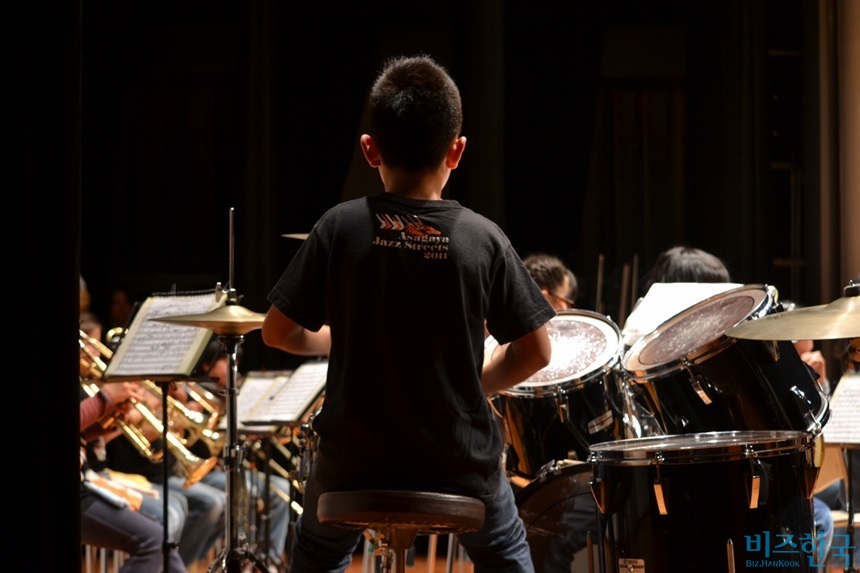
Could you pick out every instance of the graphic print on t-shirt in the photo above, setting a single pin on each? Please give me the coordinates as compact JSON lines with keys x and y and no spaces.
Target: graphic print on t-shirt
{"x":409,"y":232}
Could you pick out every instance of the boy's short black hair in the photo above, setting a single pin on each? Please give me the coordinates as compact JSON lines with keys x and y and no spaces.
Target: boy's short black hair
{"x":415,"y":112}
{"x":687,"y":264}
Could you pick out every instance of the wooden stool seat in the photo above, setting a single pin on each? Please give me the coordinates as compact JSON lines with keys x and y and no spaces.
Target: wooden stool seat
{"x":398,"y":516}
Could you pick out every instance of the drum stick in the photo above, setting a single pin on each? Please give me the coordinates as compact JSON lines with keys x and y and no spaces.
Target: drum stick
{"x":730,"y":555}
{"x":622,"y":304}
{"x":598,"y":306}
{"x":634,"y":280}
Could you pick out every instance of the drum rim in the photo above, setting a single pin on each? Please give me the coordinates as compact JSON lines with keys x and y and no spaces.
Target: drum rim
{"x":575,"y":467}
{"x":577,"y":380}
{"x":703,"y":352}
{"x":700,"y":447}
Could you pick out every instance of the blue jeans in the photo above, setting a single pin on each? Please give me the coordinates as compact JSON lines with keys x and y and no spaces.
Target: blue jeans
{"x":206,"y":520}
{"x":128,"y":531}
{"x":499,"y":546}
{"x":177,"y":510}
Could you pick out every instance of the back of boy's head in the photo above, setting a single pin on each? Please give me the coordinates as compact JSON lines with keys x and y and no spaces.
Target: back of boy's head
{"x":415,"y":113}
{"x":688,"y":264}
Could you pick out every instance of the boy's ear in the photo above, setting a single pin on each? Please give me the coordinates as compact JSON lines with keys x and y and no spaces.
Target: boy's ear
{"x":371,"y":153}
{"x":455,"y":152}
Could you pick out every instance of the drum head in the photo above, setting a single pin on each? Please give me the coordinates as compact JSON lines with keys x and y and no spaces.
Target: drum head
{"x":584,"y":344}
{"x":690,"y":333}
{"x":700,"y":448}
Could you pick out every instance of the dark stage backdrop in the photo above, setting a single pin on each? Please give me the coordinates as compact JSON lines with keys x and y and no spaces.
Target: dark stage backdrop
{"x":601,"y":132}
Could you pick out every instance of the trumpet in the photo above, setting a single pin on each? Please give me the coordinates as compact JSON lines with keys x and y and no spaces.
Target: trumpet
{"x":197,"y":425}
{"x":209,"y":401}
{"x":194,"y":467}
{"x":133,"y":433}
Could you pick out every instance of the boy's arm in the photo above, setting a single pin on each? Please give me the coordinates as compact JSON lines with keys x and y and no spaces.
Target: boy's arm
{"x":514,"y":362}
{"x":279,"y":331}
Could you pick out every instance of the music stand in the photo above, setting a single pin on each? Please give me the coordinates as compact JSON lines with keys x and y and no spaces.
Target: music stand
{"x":842,"y":431}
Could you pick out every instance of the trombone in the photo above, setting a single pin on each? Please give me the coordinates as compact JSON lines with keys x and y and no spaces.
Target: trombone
{"x":192,"y":466}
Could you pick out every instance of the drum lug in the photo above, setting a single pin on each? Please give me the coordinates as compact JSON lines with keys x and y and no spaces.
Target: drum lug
{"x":660,"y":497}
{"x":697,"y":382}
{"x":755,"y":492}
{"x":597,"y":487}
{"x":661,"y":487}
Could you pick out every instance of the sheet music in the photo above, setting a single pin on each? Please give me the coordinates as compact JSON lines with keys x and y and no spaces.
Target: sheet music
{"x":257,"y":387}
{"x":293,"y":397}
{"x":844,"y":424}
{"x":159,"y":350}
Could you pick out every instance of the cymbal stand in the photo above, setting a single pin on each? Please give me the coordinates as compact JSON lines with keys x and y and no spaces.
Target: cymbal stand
{"x":234,"y":555}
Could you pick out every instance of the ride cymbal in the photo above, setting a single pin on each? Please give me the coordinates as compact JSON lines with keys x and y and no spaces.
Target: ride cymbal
{"x":228,"y":319}
{"x":839,"y":319}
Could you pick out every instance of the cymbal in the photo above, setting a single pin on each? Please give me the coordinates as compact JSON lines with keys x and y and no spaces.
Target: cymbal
{"x":301,"y":236}
{"x":839,"y":319}
{"x":228,"y":319}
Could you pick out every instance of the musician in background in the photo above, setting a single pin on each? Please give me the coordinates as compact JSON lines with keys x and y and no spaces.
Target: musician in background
{"x":555,"y":280}
{"x":109,"y":512}
{"x":205,"y":522}
{"x":112,"y":514}
{"x":97,"y":437}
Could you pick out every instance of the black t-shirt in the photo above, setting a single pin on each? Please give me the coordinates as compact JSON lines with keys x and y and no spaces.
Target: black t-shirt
{"x":406,"y":286}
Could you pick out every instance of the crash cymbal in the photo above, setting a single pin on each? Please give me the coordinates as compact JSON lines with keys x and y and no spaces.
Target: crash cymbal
{"x":301,"y":236}
{"x":839,"y":319}
{"x":227,"y":319}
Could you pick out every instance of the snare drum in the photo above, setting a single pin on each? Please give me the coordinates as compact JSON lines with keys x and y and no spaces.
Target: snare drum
{"x":561,"y":410}
{"x":706,"y":502}
{"x":704,"y":381}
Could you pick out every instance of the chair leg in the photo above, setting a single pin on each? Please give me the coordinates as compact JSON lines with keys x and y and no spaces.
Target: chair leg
{"x":431,"y":553}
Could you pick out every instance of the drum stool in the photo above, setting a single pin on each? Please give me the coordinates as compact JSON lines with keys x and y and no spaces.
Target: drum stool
{"x":394,"y":518}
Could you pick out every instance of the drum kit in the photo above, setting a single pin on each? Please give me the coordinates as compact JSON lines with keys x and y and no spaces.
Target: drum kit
{"x":695,"y":448}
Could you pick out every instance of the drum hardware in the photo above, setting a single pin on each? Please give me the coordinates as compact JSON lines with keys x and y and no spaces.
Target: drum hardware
{"x":756,"y":472}
{"x":230,"y":322}
{"x":659,"y":485}
{"x":696,"y":381}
